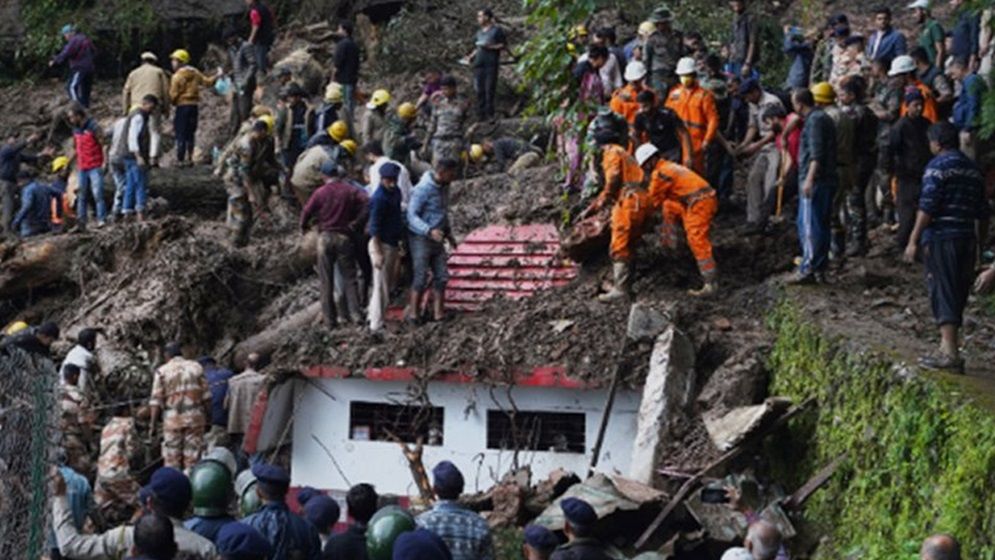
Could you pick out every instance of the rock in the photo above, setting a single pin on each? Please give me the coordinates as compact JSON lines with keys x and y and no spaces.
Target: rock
{"x":306,"y":70}
{"x":667,"y":395}
{"x":648,"y":320}
{"x":722,"y":324}
{"x":740,"y":381}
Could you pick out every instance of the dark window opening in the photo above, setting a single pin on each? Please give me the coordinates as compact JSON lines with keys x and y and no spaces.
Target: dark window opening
{"x":561,"y":432}
{"x":370,"y":421}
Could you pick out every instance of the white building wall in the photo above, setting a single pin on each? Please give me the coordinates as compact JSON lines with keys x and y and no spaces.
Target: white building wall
{"x":319,"y":417}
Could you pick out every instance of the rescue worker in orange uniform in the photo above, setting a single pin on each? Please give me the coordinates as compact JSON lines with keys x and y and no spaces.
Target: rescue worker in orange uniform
{"x":683,"y":196}
{"x":625,"y":193}
{"x":624,"y":100}
{"x":904,"y":67}
{"x":695,"y":106}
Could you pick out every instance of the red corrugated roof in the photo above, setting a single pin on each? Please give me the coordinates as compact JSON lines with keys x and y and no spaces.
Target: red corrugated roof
{"x":513,"y":262}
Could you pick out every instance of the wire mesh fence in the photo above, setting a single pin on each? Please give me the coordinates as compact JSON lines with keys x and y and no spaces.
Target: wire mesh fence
{"x":28,"y":442}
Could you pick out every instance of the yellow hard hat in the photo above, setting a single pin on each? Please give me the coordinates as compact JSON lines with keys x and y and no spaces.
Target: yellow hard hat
{"x":407,"y":111}
{"x":338,"y":130}
{"x":823,"y":93}
{"x":572,"y":48}
{"x":646,"y":28}
{"x":270,"y":122}
{"x":349,"y":146}
{"x":15,"y":327}
{"x":333,"y":93}
{"x":476,"y":152}
{"x":380,"y":98}
{"x":260,"y":110}
{"x":59,"y":163}
{"x":182,"y":55}
{"x":579,"y":31}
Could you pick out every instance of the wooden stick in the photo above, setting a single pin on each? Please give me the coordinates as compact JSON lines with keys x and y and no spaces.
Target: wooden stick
{"x":690,"y":485}
{"x":609,"y":404}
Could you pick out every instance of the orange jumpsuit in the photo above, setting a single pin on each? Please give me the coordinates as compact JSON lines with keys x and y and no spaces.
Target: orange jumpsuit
{"x":625,"y":191}
{"x":695,"y":106}
{"x":684,"y":196}
{"x":624,"y":102}
{"x":929,"y":111}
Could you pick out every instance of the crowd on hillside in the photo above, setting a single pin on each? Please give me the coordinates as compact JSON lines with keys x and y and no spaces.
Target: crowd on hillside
{"x":871,"y":128}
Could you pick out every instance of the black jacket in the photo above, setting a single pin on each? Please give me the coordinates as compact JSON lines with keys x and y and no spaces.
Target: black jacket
{"x":350,"y":545}
{"x":908,"y":149}
{"x":581,"y":549}
{"x":347,"y":62}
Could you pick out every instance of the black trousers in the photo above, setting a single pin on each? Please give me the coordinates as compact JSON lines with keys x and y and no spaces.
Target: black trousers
{"x":485,"y":83}
{"x":949,"y":275}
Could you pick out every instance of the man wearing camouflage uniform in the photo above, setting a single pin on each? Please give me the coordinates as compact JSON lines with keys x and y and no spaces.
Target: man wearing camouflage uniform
{"x":76,"y":422}
{"x":180,"y":392}
{"x":448,"y":127}
{"x":887,"y":107}
{"x":116,"y":490}
{"x":249,"y":168}
{"x":662,"y":50}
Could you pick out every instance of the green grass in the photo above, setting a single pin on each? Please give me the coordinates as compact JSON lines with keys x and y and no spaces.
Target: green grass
{"x":921,"y":453}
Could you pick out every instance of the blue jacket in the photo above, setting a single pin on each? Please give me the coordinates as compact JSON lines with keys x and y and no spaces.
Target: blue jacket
{"x":208,"y":527}
{"x":217,"y":381}
{"x":953,"y":195}
{"x":892,"y":45}
{"x":966,"y":34}
{"x":80,"y":52}
{"x":291,"y":537}
{"x":386,"y":217}
{"x":801,"y":55}
{"x":35,"y":215}
{"x":429,"y":206}
{"x":11,"y":157}
{"x":967,"y":108}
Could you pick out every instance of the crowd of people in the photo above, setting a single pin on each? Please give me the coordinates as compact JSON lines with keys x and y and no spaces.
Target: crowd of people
{"x":878,"y":131}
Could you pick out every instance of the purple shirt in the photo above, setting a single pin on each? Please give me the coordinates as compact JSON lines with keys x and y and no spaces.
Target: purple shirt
{"x":79,"y":51}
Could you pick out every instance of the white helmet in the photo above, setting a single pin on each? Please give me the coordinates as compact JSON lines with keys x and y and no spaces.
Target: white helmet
{"x":645,"y":152}
{"x":902,"y":65}
{"x":635,"y":71}
{"x":921,"y":4}
{"x":686,"y":66}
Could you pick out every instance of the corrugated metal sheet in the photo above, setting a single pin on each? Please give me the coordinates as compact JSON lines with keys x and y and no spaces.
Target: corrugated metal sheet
{"x":513,"y":262}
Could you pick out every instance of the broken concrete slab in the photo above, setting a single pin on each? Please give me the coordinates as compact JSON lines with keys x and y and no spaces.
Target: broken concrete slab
{"x":667,"y":395}
{"x":729,"y":429}
{"x":740,"y":381}
{"x":647,"y":320}
{"x":606,"y":494}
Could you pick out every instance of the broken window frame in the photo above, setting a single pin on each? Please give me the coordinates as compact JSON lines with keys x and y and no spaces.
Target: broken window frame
{"x":396,"y":422}
{"x":535,"y":430}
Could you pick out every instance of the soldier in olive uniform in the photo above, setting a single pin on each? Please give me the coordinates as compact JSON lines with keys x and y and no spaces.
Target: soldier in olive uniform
{"x":116,"y":492}
{"x":661,"y":51}
{"x":250,"y":168}
{"x":448,"y":128}
{"x":76,"y":422}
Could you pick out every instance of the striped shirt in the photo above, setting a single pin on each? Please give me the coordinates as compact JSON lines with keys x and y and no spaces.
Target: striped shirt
{"x":953,"y":195}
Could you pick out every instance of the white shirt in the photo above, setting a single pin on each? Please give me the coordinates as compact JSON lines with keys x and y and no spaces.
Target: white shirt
{"x":403,"y":180}
{"x":611,"y":73}
{"x":134,"y":133}
{"x":81,"y":358}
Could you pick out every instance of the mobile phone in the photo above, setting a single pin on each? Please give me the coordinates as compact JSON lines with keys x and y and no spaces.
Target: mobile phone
{"x":714,"y":496}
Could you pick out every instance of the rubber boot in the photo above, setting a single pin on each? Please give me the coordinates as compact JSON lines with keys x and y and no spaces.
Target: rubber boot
{"x":710,"y":287}
{"x":620,"y":289}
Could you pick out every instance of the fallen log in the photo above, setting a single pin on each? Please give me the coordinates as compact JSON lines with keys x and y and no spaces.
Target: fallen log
{"x":268,"y":340}
{"x":34,"y":264}
{"x":189,"y":191}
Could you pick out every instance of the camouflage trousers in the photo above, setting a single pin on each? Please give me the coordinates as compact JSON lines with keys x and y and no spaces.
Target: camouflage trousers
{"x":239,"y":219}
{"x":182,"y":445}
{"x":116,"y":498}
{"x":77,"y":455}
{"x":447,"y":148}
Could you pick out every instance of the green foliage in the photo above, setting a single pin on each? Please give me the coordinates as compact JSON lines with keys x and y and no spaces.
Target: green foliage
{"x":920,"y":455}
{"x":508,"y":542}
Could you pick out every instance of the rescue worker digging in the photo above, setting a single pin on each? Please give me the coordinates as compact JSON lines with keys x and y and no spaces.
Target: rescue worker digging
{"x":625,"y":193}
{"x":250,"y":169}
{"x":683,"y":196}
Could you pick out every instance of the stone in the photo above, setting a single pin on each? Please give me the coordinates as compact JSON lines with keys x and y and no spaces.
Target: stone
{"x":667,"y":396}
{"x":740,"y":381}
{"x":647,"y":321}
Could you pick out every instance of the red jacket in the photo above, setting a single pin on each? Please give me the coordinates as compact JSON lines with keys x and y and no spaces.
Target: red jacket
{"x":89,"y":151}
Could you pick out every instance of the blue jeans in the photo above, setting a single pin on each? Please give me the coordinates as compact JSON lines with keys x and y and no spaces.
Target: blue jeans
{"x":119,"y":174}
{"x":135,"y":190}
{"x":814,"y":217}
{"x":427,"y":254}
{"x":91,"y":183}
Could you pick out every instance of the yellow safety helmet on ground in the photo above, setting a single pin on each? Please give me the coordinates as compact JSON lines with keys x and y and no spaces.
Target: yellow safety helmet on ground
{"x":476,"y":152}
{"x":823,"y":93}
{"x":59,"y":163}
{"x":270,"y":122}
{"x":407,"y":111}
{"x":349,"y":146}
{"x":333,"y":93}
{"x":380,"y":98}
{"x":646,"y":28}
{"x":182,"y":55}
{"x":338,"y":130}
{"x":15,"y":327}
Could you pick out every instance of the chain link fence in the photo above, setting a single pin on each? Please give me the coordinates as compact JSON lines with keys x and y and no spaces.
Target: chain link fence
{"x":28,"y":442}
